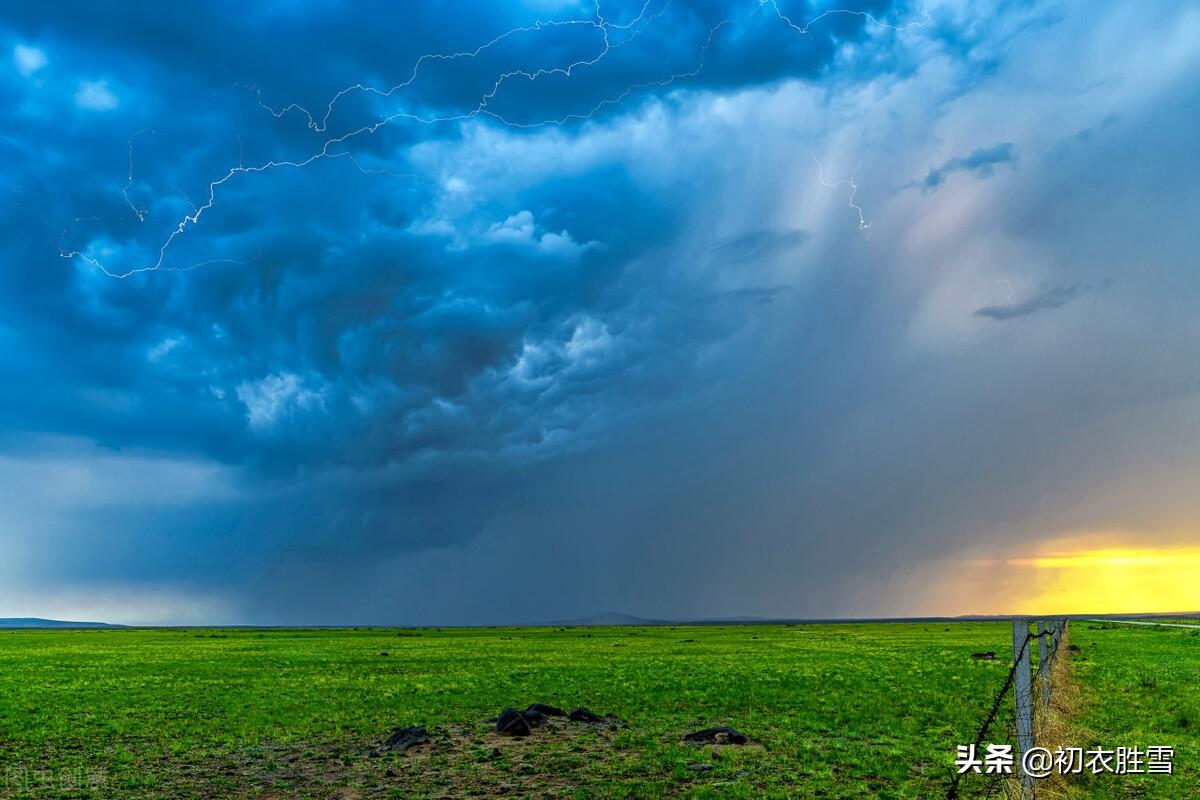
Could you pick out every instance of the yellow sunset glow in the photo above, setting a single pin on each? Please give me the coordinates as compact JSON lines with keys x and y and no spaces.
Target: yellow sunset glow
{"x":1112,"y":581}
{"x":1114,"y":557}
{"x":1097,"y":574}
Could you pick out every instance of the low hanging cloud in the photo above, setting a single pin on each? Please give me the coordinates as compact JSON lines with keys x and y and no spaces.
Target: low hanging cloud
{"x":29,"y":60}
{"x":981,"y":163}
{"x":1047,"y":299}
{"x":96,"y":96}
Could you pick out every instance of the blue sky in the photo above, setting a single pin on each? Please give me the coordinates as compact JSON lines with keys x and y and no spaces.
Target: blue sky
{"x":479,"y":312}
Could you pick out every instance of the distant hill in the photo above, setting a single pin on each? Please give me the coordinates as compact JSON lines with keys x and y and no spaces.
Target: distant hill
{"x":611,"y":618}
{"x":36,"y":622}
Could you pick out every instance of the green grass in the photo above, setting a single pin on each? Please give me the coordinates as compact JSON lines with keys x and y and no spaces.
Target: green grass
{"x":837,"y":711}
{"x":1142,"y":688}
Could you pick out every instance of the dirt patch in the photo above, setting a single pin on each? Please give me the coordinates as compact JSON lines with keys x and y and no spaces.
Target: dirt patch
{"x":454,"y":761}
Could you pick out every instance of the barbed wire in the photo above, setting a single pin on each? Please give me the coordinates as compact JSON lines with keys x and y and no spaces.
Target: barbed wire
{"x":997,"y":779}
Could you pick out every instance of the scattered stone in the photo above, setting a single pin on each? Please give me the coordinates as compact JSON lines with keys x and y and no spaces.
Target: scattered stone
{"x":700,"y":767}
{"x":741,"y":773}
{"x":583,"y":715}
{"x":492,"y":754}
{"x":404,"y":738}
{"x":721,"y":734}
{"x":549,"y":711}
{"x":1073,"y":648}
{"x":990,"y":655}
{"x":512,"y":723}
{"x":534,"y":718}
{"x":385,"y":653}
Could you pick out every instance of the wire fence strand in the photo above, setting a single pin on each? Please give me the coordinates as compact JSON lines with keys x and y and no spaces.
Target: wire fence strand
{"x":1028,"y":700}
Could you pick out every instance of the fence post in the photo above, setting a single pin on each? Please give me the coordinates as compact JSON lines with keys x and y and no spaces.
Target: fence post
{"x":1043,"y":667}
{"x":1023,"y":695}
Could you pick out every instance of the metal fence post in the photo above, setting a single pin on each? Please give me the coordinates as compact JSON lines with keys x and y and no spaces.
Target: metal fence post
{"x":1043,"y":666}
{"x":1023,"y":694}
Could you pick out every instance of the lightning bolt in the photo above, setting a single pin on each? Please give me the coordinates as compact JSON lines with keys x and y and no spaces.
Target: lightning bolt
{"x":921,"y":22}
{"x":1006,"y":283}
{"x":333,"y":146}
{"x":140,"y":213}
{"x":863,"y":225}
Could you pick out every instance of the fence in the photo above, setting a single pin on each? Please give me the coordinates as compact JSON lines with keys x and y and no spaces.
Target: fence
{"x":1031,"y":692}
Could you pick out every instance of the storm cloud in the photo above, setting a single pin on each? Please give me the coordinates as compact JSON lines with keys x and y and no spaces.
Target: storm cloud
{"x":583,"y":294}
{"x":1050,"y":297}
{"x":981,"y":162}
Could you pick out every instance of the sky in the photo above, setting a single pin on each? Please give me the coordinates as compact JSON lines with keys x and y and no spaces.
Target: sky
{"x":484,"y":313}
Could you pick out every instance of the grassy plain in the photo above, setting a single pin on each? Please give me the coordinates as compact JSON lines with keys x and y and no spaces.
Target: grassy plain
{"x":835,"y":711}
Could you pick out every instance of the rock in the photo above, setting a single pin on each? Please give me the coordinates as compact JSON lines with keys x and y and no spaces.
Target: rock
{"x":700,"y":767}
{"x":492,"y":754}
{"x":1073,"y":648}
{"x":583,"y":715}
{"x":404,"y":738}
{"x":534,"y":718}
{"x":721,"y":734}
{"x":512,"y":723}
{"x":549,"y":711}
{"x":988,"y":656}
{"x":385,"y":653}
{"x":519,"y":723}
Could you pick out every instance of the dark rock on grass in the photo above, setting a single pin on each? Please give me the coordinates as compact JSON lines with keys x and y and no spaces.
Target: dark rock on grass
{"x":549,"y":711}
{"x":700,"y":767}
{"x":1073,"y":648}
{"x":583,"y":715}
{"x":534,"y":718}
{"x":519,"y":723}
{"x":404,"y":738}
{"x":990,"y":655}
{"x":512,"y":723}
{"x":721,"y":734}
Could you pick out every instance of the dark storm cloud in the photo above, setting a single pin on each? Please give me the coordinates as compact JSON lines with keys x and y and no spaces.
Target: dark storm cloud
{"x":430,"y":346}
{"x":1049,"y":298}
{"x":981,"y":162}
{"x":330,"y":323}
{"x":613,"y":351}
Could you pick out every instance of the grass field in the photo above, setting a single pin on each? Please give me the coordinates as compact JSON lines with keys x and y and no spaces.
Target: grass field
{"x":846,"y":711}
